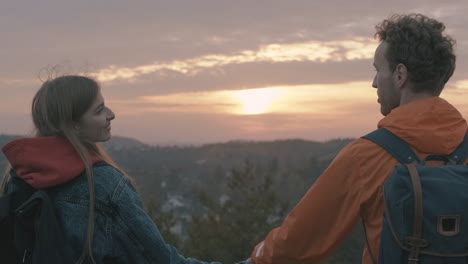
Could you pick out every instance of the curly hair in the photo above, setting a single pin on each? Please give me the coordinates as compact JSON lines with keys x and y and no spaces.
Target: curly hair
{"x":419,"y":43}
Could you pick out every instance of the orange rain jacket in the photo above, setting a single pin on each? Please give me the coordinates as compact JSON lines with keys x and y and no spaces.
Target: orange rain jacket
{"x":351,"y":187}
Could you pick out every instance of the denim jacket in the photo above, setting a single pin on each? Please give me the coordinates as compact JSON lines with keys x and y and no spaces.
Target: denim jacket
{"x":123,"y":232}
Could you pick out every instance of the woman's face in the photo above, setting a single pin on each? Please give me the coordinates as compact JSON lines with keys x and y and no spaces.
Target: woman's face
{"x":95,"y":124}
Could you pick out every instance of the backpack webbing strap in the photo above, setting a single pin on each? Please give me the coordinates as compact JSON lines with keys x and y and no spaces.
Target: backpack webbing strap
{"x":415,"y":241}
{"x":461,"y":153}
{"x":45,"y":243}
{"x":5,"y":208}
{"x":396,"y":146}
{"x":19,"y":193}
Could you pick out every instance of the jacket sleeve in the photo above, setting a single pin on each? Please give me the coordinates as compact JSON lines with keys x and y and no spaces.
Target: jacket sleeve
{"x":320,"y":221}
{"x":136,"y":239}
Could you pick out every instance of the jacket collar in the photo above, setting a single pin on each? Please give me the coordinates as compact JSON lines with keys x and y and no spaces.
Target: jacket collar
{"x":430,"y":125}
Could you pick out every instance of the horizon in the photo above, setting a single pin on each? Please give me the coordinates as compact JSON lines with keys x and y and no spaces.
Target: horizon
{"x":203,"y":72}
{"x":198,"y":144}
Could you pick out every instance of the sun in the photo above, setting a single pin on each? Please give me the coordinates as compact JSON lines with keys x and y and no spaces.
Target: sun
{"x":257,"y":101}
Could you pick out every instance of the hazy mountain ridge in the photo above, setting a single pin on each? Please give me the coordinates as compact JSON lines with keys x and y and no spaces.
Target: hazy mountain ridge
{"x":118,"y":142}
{"x":173,"y":176}
{"x":181,"y":171}
{"x":164,"y":170}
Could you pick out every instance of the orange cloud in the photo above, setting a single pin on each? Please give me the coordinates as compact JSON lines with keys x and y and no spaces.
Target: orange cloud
{"x":302,"y":99}
{"x":316,"y":51}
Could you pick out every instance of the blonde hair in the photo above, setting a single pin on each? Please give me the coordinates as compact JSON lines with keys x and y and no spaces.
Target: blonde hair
{"x":6,"y":177}
{"x":56,"y":108}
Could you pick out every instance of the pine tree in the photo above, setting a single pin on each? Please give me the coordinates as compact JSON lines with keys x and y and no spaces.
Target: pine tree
{"x":229,"y":229}
{"x":165,"y":221}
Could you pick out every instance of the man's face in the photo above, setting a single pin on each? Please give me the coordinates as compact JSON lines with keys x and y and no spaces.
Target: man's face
{"x":384,"y":80}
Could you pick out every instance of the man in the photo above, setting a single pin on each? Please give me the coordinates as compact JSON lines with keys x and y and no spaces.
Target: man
{"x":413,"y":62}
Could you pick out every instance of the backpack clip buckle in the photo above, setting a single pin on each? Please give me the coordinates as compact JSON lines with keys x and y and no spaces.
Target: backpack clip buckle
{"x":26,"y":255}
{"x":415,"y":242}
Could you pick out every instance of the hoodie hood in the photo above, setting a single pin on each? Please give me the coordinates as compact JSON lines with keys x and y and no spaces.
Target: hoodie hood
{"x":45,"y":161}
{"x":430,"y":125}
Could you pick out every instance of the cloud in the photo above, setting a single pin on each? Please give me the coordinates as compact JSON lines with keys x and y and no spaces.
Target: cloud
{"x":128,"y":35}
{"x":183,"y":127}
{"x":244,"y":76}
{"x":273,"y":53}
{"x":300,"y":99}
{"x":456,"y":93}
{"x":158,"y":48}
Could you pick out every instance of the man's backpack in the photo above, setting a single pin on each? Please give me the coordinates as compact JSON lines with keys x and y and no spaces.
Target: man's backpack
{"x":426,"y":207}
{"x":29,"y":230}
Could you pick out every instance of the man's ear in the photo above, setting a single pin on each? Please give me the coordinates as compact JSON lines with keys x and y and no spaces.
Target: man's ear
{"x":401,"y":75}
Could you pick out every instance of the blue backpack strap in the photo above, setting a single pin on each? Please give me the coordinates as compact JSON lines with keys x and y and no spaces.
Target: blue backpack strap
{"x":396,"y":146}
{"x":461,"y":153}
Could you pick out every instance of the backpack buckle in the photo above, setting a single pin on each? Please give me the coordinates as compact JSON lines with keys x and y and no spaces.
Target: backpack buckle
{"x":415,"y":242}
{"x":26,"y":255}
{"x":415,"y":245}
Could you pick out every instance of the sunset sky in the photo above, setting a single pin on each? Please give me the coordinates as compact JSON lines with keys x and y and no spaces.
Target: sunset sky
{"x":199,"y":71}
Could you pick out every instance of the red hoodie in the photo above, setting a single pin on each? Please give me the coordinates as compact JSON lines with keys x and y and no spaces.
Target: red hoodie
{"x":45,"y":161}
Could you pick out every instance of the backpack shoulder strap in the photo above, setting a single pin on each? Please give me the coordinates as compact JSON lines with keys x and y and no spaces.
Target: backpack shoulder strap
{"x":50,"y":246}
{"x":18,"y":191}
{"x":461,"y":153}
{"x":394,"y":145}
{"x":5,"y":205}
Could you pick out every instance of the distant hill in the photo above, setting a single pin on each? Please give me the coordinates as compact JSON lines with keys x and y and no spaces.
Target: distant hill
{"x":173,"y":176}
{"x":117,"y":142}
{"x":162,"y":172}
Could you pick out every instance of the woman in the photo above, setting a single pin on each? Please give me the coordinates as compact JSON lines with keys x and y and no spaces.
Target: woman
{"x":71,"y":118}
